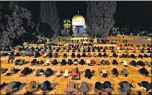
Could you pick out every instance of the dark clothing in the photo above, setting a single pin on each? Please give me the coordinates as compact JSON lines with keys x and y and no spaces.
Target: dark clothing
{"x":46,"y":86}
{"x":144,"y":71}
{"x":88,"y":73}
{"x":48,"y":72}
{"x":115,"y":72}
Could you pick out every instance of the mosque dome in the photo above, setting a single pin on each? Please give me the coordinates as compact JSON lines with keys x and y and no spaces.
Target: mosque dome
{"x":78,"y":18}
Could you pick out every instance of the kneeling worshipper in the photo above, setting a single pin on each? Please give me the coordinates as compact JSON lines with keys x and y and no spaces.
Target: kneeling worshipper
{"x":26,"y":71}
{"x":48,"y":72}
{"x":124,"y":72}
{"x":146,"y":86}
{"x":31,"y":88}
{"x":125,"y":87}
{"x":66,"y":73}
{"x":144,"y":71}
{"x":104,"y":73}
{"x":46,"y":87}
{"x":84,"y":88}
{"x":124,"y":62}
{"x":47,"y":62}
{"x":89,"y":73}
{"x":39,"y":72}
{"x":99,"y":87}
{"x":3,"y":70}
{"x":75,"y":74}
{"x":12,"y":71}
{"x":59,"y":73}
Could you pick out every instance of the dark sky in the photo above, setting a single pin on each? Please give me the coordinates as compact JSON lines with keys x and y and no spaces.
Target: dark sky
{"x":128,"y":12}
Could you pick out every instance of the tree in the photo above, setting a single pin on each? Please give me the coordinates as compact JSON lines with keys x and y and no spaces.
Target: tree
{"x":99,"y":17}
{"x":49,"y":15}
{"x":15,"y":22}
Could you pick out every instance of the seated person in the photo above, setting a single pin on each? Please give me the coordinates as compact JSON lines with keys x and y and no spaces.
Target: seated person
{"x":99,"y":55}
{"x":70,"y":62}
{"x":89,"y":55}
{"x":75,"y":62}
{"x":124,"y":62}
{"x":133,"y":62}
{"x":48,"y":72}
{"x":13,"y":87}
{"x":105,"y":55}
{"x":39,"y":72}
{"x":32,"y":87}
{"x":114,"y":62}
{"x":144,"y":71}
{"x":67,"y":73}
{"x":124,"y":72}
{"x":73,"y":55}
{"x":71,"y":88}
{"x":84,"y":88}
{"x":3,"y":70}
{"x":65,"y":55}
{"x":58,"y":73}
{"x":34,"y":62}
{"x":88,"y":61}
{"x":12,"y":71}
{"x":99,"y":87}
{"x":78,"y":55}
{"x":115,"y":72}
{"x":140,"y":56}
{"x":145,"y":86}
{"x":47,"y":62}
{"x":141,"y":63}
{"x":46,"y":87}
{"x":107,"y":87}
{"x":92,"y":63}
{"x":82,"y":62}
{"x":54,"y":62}
{"x":63,"y":62}
{"x":26,"y":71}
{"x":125,"y":87}
{"x":83,"y":54}
{"x":56,"y":55}
{"x":89,"y":73}
{"x":75,"y":74}
{"x":104,"y":73}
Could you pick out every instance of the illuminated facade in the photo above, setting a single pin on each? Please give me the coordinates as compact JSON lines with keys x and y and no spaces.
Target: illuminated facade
{"x":78,"y":24}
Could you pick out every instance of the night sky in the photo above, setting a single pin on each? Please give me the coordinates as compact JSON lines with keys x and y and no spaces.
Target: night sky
{"x":128,"y":12}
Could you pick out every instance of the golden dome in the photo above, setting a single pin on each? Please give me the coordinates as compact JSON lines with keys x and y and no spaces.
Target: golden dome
{"x":78,"y":18}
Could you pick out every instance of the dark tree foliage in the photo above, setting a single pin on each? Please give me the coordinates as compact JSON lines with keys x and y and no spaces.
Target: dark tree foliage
{"x":49,"y":15}
{"x":16,"y":23}
{"x":99,"y":17}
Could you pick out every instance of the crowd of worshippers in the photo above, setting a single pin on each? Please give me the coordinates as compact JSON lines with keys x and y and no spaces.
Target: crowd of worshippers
{"x":105,"y":87}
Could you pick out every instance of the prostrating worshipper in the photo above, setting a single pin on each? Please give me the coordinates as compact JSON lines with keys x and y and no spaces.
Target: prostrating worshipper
{"x":144,"y":71}
{"x":11,"y":57}
{"x":73,"y":55}
{"x":63,"y":62}
{"x":89,"y":73}
{"x":99,"y":54}
{"x":48,"y":54}
{"x":75,"y":74}
{"x":124,"y":63}
{"x":93,"y":49}
{"x":26,"y":71}
{"x":114,"y":62}
{"x":56,"y":55}
{"x":46,"y":87}
{"x":48,"y":72}
{"x":84,"y":88}
{"x":66,"y":73}
{"x":104,"y":73}
{"x":146,"y":86}
{"x":133,"y":63}
{"x":55,"y":62}
{"x":114,"y":55}
{"x":107,"y":87}
{"x":141,"y":63}
{"x":82,"y":62}
{"x":20,"y":62}
{"x":31,"y":88}
{"x":125,"y":87}
{"x":83,"y":54}
{"x":94,"y":55}
{"x":146,"y":56}
{"x":34,"y":62}
{"x":147,"y":63}
{"x":13,"y":86}
{"x":105,"y":54}
{"x":140,"y":56}
{"x":92,"y":63}
{"x":39,"y":72}
{"x":89,"y":55}
{"x":2,"y":85}
{"x":107,"y":62}
{"x":12,"y":71}
{"x":47,"y":62}
{"x":36,"y":54}
{"x":40,"y":62}
{"x":58,"y":73}
{"x":124,"y":72}
{"x":99,"y":87}
{"x":132,"y":56}
{"x":115,"y":72}
{"x":71,"y":88}
{"x":3,"y":70}
{"x":65,"y":55}
{"x":75,"y":62}
{"x":78,"y":55}
{"x":70,"y":62}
